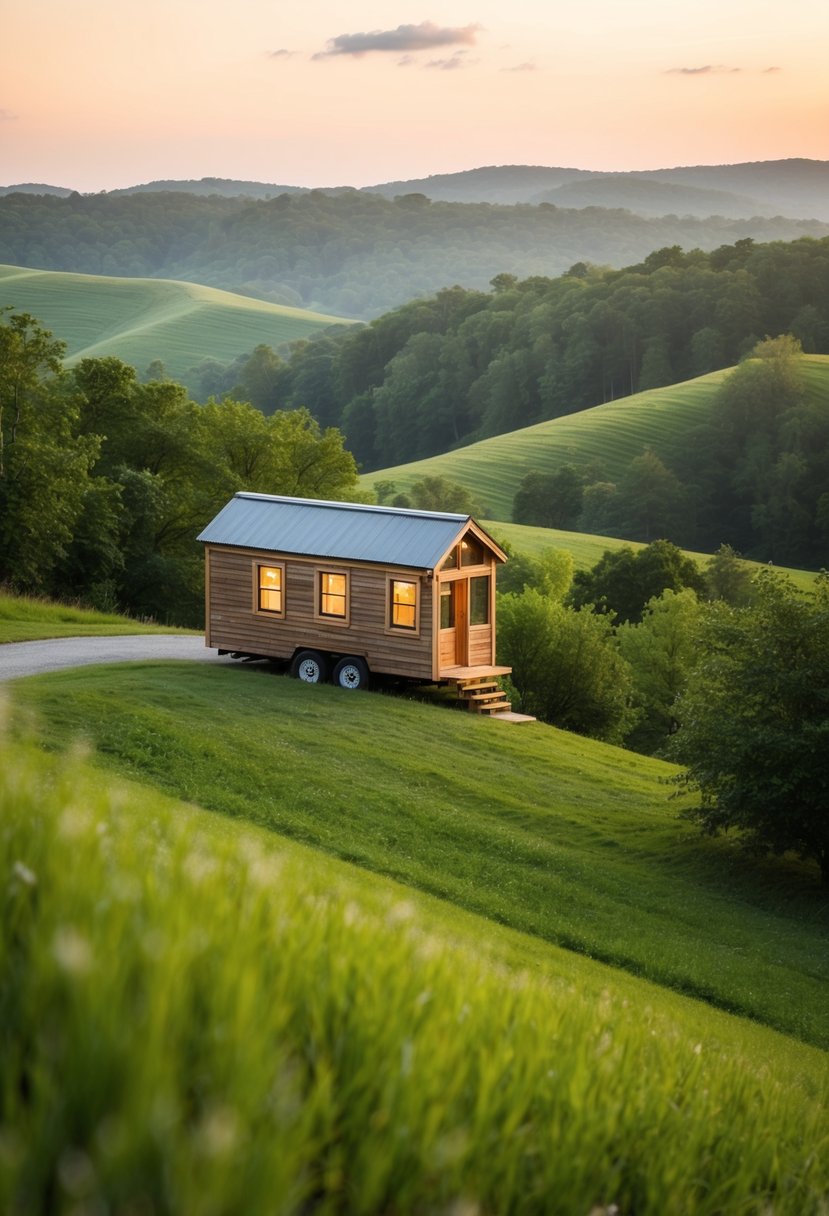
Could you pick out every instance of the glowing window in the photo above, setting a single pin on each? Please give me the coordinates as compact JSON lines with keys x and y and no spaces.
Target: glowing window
{"x":403,"y":604}
{"x":450,"y":562}
{"x":270,"y":588}
{"x":333,"y":594}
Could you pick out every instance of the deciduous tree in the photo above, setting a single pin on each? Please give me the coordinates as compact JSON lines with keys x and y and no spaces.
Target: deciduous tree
{"x":755,"y":721}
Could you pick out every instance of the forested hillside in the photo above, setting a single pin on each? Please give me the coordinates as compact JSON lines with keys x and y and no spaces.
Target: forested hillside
{"x":444,"y":372}
{"x":354,"y":254}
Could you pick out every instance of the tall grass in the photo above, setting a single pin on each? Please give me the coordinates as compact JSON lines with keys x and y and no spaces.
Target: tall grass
{"x":194,"y":1023}
{"x":561,"y":837}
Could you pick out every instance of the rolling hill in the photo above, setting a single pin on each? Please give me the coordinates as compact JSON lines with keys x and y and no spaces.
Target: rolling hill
{"x":141,"y":320}
{"x":610,"y":435}
{"x":352,"y":253}
{"x":795,"y":187}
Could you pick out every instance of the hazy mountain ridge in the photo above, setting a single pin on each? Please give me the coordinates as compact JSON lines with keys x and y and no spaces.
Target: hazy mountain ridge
{"x":795,"y":187}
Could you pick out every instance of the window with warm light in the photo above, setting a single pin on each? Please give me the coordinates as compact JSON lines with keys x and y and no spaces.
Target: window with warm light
{"x":270,"y":588}
{"x":479,"y":600}
{"x":333,"y":589}
{"x":403,"y":604}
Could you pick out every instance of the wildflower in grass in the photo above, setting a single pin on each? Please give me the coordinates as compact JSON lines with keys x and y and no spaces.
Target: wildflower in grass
{"x":24,"y":874}
{"x":71,"y":951}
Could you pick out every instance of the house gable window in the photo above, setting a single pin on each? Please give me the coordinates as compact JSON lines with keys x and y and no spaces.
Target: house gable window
{"x":332,"y":594}
{"x":403,"y":605}
{"x":270,"y":589}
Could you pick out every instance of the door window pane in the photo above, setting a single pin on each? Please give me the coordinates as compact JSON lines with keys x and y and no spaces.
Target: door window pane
{"x":479,"y":600}
{"x":447,"y":606}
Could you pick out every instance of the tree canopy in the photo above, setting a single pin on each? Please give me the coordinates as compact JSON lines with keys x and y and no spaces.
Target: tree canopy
{"x":755,"y":720}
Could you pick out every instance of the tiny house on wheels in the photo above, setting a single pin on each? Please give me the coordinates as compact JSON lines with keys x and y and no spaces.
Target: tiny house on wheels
{"x":341,"y":590}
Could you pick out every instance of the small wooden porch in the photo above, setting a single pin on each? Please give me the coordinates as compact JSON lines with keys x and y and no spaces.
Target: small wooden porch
{"x":480,"y":688}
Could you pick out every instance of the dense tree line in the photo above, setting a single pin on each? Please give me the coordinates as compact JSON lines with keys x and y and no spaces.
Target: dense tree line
{"x":463,"y":365}
{"x":105,"y":481}
{"x":754,"y":475}
{"x":352,"y":254}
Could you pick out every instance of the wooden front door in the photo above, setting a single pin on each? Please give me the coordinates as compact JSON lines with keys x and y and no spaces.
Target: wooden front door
{"x":454,"y":623}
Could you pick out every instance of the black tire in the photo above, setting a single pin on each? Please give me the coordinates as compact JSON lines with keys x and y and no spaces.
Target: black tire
{"x":351,"y":673}
{"x":309,"y":666}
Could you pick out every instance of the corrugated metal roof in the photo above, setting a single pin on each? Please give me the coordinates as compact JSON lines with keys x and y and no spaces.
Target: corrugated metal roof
{"x":345,"y":531}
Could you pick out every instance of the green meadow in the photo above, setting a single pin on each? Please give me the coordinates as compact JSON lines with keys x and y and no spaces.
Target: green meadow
{"x":570,"y":841}
{"x":202,"y":1015}
{"x":611,"y":435}
{"x":140,"y":320}
{"x":587,"y":548}
{"x":26,"y":618}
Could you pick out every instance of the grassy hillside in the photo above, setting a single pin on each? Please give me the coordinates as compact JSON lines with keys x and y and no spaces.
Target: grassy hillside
{"x":26,"y":618}
{"x":198,"y":1018}
{"x":586,"y":548}
{"x":611,"y":434}
{"x":570,"y":841}
{"x":140,"y":320}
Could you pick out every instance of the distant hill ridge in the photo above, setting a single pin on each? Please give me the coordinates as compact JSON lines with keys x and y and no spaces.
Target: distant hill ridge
{"x":795,"y":187}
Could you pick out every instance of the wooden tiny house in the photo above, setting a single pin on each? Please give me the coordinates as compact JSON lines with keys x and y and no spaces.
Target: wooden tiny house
{"x":344,"y":589}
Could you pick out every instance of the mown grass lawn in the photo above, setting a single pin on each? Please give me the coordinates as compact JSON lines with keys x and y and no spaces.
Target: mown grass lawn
{"x":199,"y":1017}
{"x":563,"y":838}
{"x":29,"y":619}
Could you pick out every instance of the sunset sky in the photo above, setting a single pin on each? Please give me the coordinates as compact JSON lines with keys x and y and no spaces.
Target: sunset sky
{"x":96,"y":94}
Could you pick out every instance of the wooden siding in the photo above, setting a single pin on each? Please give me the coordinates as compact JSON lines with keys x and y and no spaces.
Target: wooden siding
{"x":234,"y":624}
{"x":480,"y":646}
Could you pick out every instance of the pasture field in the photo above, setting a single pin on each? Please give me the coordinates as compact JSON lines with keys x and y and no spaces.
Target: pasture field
{"x":588,"y":548}
{"x":202,"y":1017}
{"x":26,"y":618}
{"x":568,"y":840}
{"x":612,"y":435}
{"x":140,"y":320}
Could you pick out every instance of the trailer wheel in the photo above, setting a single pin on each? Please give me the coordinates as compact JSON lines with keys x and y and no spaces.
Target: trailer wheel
{"x":351,"y":673}
{"x":309,"y":666}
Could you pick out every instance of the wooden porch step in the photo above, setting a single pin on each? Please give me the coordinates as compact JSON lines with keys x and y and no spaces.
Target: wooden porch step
{"x":496,"y":694}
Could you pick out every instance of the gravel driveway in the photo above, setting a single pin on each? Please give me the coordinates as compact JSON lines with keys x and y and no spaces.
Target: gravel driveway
{"x":53,"y":654}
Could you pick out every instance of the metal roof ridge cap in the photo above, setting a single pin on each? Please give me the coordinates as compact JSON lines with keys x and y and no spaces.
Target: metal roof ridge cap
{"x":353,"y":506}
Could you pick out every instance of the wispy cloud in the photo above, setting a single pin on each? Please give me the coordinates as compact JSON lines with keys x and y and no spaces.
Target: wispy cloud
{"x":404,"y":39}
{"x":282,"y":53}
{"x":708,"y":69}
{"x":521,"y":67}
{"x":768,"y":70}
{"x":8,"y":116}
{"x":458,"y":60}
